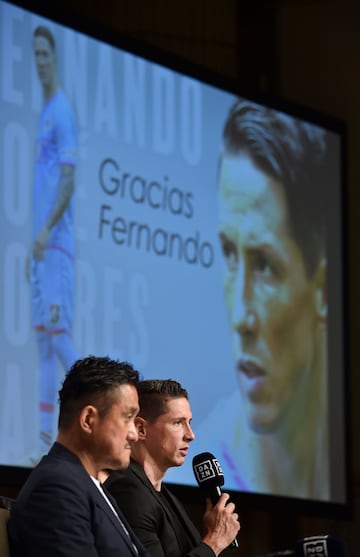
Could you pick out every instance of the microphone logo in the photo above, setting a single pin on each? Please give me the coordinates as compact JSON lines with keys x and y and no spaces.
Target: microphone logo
{"x":207,"y":470}
{"x":316,"y":547}
{"x":320,"y":546}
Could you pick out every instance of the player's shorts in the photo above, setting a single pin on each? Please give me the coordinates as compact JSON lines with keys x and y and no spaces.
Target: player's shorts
{"x":52,"y":290}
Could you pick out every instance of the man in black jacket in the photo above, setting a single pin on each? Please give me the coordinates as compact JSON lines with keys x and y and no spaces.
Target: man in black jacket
{"x":157,"y":517}
{"x":62,"y":510}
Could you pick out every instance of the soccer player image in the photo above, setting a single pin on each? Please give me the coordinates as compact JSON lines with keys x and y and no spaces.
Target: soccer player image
{"x":50,"y":264}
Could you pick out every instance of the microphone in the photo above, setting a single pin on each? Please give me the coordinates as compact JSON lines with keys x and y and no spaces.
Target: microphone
{"x":320,"y":546}
{"x":210,"y":477}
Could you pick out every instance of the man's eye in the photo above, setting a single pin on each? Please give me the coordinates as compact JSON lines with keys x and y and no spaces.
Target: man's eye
{"x":229,"y":253}
{"x":262,"y":265}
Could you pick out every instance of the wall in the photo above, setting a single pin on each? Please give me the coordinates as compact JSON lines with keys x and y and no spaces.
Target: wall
{"x":318,"y":52}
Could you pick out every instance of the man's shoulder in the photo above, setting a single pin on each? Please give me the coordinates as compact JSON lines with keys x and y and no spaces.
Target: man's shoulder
{"x":132,"y":488}
{"x":62,"y":100}
{"x":60,"y":108}
{"x":59,"y":467}
{"x":130,"y":478}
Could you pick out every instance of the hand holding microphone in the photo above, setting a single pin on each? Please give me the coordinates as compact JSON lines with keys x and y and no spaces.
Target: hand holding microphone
{"x":221,"y":522}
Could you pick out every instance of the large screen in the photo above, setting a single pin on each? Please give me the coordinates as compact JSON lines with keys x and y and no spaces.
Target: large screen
{"x":161,"y":218}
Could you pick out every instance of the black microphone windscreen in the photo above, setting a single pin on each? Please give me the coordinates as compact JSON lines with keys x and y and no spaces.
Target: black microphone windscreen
{"x":320,"y":546}
{"x":207,"y":471}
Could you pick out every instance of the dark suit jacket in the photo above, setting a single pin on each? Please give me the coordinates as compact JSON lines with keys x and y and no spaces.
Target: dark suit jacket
{"x":61,"y":513}
{"x":164,"y":528}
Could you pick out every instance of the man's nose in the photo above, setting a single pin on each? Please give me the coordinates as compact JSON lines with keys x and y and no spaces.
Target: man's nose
{"x":133,"y":434}
{"x":242,"y":311}
{"x":189,"y":434}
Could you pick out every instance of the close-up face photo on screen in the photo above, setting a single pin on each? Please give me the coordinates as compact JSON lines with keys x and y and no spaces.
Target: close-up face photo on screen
{"x":275,"y":294}
{"x":158,"y":218}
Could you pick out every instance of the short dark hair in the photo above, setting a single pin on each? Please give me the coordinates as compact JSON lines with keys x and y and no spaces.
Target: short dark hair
{"x":92,"y":380}
{"x":42,"y":31}
{"x":154,"y":395}
{"x":296,"y":154}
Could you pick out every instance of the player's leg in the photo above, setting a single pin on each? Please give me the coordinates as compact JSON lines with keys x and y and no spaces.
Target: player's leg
{"x":61,"y":309}
{"x":47,"y":362}
{"x":48,"y":388}
{"x":65,"y":350}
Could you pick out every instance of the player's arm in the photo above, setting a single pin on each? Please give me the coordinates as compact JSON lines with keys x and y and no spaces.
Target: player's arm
{"x":65,"y":192}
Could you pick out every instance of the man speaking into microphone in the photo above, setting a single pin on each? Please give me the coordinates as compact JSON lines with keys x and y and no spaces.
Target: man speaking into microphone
{"x":157,"y":517}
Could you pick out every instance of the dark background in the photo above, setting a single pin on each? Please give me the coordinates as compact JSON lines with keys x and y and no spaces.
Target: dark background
{"x":305,"y":51}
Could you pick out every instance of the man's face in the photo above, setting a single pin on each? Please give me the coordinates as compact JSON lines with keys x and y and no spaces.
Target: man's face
{"x":114,"y":433}
{"x":270,"y":301}
{"x":168,"y":439}
{"x":44,"y":60}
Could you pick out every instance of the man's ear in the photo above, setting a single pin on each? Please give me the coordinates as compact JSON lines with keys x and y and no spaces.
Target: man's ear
{"x":321,"y":292}
{"x":87,"y":418}
{"x":140,"y":424}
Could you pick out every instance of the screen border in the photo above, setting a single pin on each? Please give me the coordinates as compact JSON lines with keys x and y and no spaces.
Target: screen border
{"x":12,"y":477}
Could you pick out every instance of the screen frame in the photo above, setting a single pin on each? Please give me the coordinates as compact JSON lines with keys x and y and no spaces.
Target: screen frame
{"x":12,"y":477}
